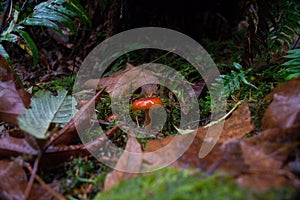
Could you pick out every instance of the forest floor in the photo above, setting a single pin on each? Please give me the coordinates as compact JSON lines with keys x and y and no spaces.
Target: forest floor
{"x":251,"y":151}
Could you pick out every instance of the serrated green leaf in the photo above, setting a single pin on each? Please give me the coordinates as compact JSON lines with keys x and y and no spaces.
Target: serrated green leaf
{"x":44,"y":109}
{"x":32,"y":47}
{"x":66,"y":112}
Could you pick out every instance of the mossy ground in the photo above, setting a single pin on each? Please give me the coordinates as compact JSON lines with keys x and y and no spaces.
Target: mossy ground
{"x":174,"y":184}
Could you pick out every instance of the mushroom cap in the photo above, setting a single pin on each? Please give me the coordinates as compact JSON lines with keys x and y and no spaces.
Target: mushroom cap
{"x":112,"y":117}
{"x":146,"y":103}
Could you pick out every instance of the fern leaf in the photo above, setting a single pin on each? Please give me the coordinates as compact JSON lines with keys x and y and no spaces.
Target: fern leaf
{"x":46,"y":109}
{"x":232,"y":81}
{"x":294,"y":64}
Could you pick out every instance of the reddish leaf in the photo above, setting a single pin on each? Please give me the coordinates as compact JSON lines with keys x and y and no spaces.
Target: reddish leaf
{"x":284,"y":111}
{"x":258,"y":162}
{"x":110,"y":82}
{"x":11,"y":103}
{"x":12,"y":97}
{"x":5,"y":71}
{"x":14,"y":181}
{"x":10,"y":146}
{"x":238,"y":124}
{"x":126,"y":161}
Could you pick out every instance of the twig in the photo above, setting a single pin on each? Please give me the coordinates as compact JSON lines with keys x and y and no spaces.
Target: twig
{"x":32,"y":176}
{"x":43,"y":184}
{"x":164,"y":55}
{"x":225,"y":116}
{"x":56,"y":194}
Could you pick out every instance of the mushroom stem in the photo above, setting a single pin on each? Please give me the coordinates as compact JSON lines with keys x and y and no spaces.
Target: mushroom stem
{"x":147,"y":120}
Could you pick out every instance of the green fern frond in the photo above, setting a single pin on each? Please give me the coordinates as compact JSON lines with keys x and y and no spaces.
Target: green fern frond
{"x":232,"y":81}
{"x":287,"y":26}
{"x":53,"y":14}
{"x":293,"y":64}
{"x":273,"y":25}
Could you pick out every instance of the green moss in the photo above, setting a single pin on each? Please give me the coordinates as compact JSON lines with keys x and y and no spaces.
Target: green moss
{"x":173,"y":184}
{"x":60,"y":83}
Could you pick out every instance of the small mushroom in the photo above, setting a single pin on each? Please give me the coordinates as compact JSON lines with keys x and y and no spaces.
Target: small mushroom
{"x":146,"y":104}
{"x":112,"y":117}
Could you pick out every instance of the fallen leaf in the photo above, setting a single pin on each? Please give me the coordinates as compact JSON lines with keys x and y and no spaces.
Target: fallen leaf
{"x":11,"y":104}
{"x":14,"y":181}
{"x":11,"y":146}
{"x":284,"y":111}
{"x":131,"y":72}
{"x":13,"y":99}
{"x":235,"y":127}
{"x":130,"y":160}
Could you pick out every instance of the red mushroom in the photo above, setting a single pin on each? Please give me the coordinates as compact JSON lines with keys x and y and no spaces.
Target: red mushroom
{"x":146,"y":104}
{"x":112,"y":117}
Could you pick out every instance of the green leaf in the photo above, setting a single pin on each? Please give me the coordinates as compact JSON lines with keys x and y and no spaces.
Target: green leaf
{"x":46,"y":109}
{"x":9,"y":37}
{"x":33,"y":51}
{"x":66,"y":112}
{"x":4,"y":53}
{"x":56,"y":17}
{"x":233,"y":80}
{"x":41,"y":22}
{"x":77,"y":8}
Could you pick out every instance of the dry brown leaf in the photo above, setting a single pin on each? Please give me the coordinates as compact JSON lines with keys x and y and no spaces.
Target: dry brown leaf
{"x":110,"y":82}
{"x":266,"y":155}
{"x":284,"y":111}
{"x":235,"y":127}
{"x":126,"y":161}
{"x":13,"y":99}
{"x":14,"y":181}
{"x":11,"y":104}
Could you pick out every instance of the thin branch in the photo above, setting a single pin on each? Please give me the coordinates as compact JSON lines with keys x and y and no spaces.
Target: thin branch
{"x":32,"y":176}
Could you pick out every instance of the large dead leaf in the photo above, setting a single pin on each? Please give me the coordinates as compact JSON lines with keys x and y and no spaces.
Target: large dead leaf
{"x":11,"y":104}
{"x":284,"y":111}
{"x":237,"y":126}
{"x":128,"y":161}
{"x":142,"y":77}
{"x":266,"y":155}
{"x":259,"y":162}
{"x":14,"y":181}
{"x":13,"y":99}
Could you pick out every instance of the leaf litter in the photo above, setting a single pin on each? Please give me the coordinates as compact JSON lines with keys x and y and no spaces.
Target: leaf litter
{"x":266,"y":160}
